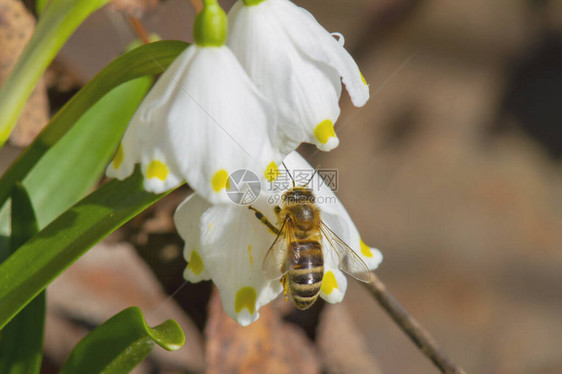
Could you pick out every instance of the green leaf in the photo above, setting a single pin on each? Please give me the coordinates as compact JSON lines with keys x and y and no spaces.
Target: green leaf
{"x":149,"y":59}
{"x":24,"y":223}
{"x":120,"y":343}
{"x":57,"y":23}
{"x":40,"y":6}
{"x":75,"y":163}
{"x":48,"y":253}
{"x":21,"y":343}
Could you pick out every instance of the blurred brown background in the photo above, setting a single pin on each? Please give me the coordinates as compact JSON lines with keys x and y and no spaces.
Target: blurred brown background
{"x":452,"y":169}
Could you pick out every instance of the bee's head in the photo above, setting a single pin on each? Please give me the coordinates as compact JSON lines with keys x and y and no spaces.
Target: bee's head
{"x":297,"y":195}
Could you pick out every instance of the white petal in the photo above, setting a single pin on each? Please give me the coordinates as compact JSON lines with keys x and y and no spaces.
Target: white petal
{"x":229,"y":130}
{"x":201,"y":122}
{"x":317,"y":43}
{"x":234,"y":244}
{"x":372,"y":256}
{"x":334,"y":284}
{"x":316,"y":101}
{"x":340,"y":38}
{"x":144,"y":131}
{"x":342,"y":225}
{"x":187,"y":218}
{"x":306,"y":93}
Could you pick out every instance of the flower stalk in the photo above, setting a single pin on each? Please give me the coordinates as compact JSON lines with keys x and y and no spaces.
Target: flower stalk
{"x":419,"y":335}
{"x":140,"y":30}
{"x":197,"y":5}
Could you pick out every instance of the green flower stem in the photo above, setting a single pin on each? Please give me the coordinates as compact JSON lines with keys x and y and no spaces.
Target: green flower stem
{"x":57,"y":23}
{"x":211,"y":25}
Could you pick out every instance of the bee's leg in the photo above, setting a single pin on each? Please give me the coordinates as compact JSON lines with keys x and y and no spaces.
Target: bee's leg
{"x":263,"y":219}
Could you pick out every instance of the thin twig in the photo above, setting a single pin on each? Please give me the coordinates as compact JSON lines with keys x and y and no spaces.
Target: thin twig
{"x":197,"y":5}
{"x":140,"y":30}
{"x":412,"y":328}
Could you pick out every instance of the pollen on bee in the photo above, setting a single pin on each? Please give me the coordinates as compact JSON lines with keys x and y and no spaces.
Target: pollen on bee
{"x":285,"y":286}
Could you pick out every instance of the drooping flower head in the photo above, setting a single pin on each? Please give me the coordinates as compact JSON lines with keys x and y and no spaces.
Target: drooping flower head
{"x":298,"y":65}
{"x":201,"y":121}
{"x":226,"y":243}
{"x":206,"y":118}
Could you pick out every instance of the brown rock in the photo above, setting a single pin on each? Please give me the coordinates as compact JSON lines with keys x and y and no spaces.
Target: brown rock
{"x":268,"y":345}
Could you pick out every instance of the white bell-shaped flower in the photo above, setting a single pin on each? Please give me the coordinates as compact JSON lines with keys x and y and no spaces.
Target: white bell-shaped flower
{"x":298,"y":65}
{"x":227,"y":244}
{"x":202,"y":120}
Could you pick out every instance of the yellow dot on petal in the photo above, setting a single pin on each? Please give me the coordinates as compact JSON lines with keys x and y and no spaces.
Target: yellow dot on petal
{"x":195,"y":263}
{"x":365,"y":249}
{"x":157,"y":169}
{"x":220,"y":180}
{"x":245,"y":299}
{"x":363,"y":78}
{"x":324,"y":131}
{"x":118,"y":159}
{"x":329,"y":283}
{"x":251,"y":257}
{"x":272,"y":172}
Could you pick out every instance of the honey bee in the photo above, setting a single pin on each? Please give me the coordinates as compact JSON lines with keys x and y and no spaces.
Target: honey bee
{"x":297,"y":254}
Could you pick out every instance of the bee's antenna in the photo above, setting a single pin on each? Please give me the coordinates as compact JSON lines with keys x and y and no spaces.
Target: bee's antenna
{"x":312,"y":176}
{"x":288,"y":172}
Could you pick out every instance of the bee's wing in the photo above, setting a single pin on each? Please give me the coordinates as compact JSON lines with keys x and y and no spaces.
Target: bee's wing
{"x":349,"y":262}
{"x":273,"y":266}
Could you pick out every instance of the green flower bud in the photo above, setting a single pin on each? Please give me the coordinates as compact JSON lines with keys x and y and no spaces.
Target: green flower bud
{"x":252,"y":2}
{"x":211,"y":25}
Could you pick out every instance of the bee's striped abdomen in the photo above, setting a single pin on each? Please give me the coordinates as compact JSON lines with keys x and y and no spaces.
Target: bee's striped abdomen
{"x":306,"y":269}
